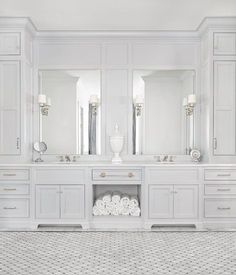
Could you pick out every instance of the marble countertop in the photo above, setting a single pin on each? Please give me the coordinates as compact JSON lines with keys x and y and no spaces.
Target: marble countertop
{"x":123,"y":164}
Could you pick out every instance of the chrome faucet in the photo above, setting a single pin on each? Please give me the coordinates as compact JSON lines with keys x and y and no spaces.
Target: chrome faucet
{"x":165,"y":158}
{"x":67,"y":158}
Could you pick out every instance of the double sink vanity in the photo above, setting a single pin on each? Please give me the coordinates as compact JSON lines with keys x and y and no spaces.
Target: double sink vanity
{"x":200,"y":195}
{"x":150,"y":115}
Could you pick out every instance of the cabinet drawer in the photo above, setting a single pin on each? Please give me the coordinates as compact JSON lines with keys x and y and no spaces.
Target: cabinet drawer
{"x":116,"y":175}
{"x":14,"y":189}
{"x":13,"y":174}
{"x":14,"y":208}
{"x":169,"y":175}
{"x":9,"y":43}
{"x":60,"y":176}
{"x":220,"y":208}
{"x":220,"y":174}
{"x":221,"y":189}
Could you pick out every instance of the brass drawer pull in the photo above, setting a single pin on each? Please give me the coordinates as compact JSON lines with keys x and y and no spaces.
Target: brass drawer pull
{"x":222,"y":189}
{"x":9,"y":208}
{"x":223,"y":208}
{"x":130,"y":175}
{"x":9,"y":175}
{"x":103,"y":175}
{"x":9,"y":189}
{"x":223,"y":175}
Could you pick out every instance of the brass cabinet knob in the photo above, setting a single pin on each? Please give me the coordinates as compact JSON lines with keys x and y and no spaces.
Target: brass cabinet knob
{"x":103,"y":175}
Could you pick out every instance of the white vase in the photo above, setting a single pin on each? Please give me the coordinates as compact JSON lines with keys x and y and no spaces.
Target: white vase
{"x":117,"y":143}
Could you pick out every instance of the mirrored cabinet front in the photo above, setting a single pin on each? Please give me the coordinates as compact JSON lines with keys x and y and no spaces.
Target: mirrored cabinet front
{"x":163,"y":112}
{"x":70,"y":112}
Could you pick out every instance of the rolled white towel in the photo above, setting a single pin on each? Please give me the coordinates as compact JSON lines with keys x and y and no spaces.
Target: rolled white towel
{"x":100,"y":203}
{"x":105,"y":212}
{"x":124,"y":200}
{"x":96,"y":211}
{"x":106,"y":197}
{"x":133,"y":202}
{"x":115,"y":212}
{"x":110,"y":206}
{"x":125,"y":211}
{"x":116,"y":196}
{"x":135,"y":211}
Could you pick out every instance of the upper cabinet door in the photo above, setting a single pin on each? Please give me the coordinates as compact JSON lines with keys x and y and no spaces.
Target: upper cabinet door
{"x":225,"y":44}
{"x":9,"y":108}
{"x":224,"y":107}
{"x":9,"y":43}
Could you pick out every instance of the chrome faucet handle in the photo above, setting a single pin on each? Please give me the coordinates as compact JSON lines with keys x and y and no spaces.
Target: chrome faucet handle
{"x":61,"y":158}
{"x":75,"y":158}
{"x":158,"y":158}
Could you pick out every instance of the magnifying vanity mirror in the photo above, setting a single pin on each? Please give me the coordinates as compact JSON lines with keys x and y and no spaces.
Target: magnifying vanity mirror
{"x":163,"y":112}
{"x":70,"y":112}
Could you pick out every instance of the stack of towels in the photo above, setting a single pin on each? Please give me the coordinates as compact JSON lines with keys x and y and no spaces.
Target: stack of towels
{"x":115,"y":204}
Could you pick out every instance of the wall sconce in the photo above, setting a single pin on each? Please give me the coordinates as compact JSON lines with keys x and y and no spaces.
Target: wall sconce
{"x":138,"y":104}
{"x":189,"y":104}
{"x":94,"y":101}
{"x":44,"y":104}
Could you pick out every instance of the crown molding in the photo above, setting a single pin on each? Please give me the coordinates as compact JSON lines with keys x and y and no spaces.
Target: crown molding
{"x":208,"y":23}
{"x":217,"y":23}
{"x":19,"y":23}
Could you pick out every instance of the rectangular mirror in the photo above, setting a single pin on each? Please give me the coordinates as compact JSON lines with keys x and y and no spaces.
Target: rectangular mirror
{"x":70,"y":113}
{"x":163,"y":111}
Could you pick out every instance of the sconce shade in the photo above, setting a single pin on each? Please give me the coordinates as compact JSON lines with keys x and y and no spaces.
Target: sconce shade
{"x":192,"y":99}
{"x":93,"y":99}
{"x":139,"y":99}
{"x":42,"y":99}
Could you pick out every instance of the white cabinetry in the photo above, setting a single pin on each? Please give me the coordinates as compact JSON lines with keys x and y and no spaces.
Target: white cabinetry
{"x":9,"y":108}
{"x":224,"y":107}
{"x":59,"y":201}
{"x":225,"y":43}
{"x":9,"y":43}
{"x":173,"y":201}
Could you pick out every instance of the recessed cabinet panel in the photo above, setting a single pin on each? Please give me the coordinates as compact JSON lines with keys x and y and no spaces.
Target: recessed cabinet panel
{"x":220,"y":208}
{"x":160,"y":201}
{"x":14,"y":208}
{"x":225,"y":44}
{"x":224,"y":107}
{"x":47,"y":201}
{"x":9,"y":43}
{"x":185,"y":201}
{"x":9,"y":107}
{"x":72,"y":202}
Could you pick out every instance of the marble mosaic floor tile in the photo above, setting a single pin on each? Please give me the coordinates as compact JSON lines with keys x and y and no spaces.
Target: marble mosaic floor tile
{"x":117,"y":253}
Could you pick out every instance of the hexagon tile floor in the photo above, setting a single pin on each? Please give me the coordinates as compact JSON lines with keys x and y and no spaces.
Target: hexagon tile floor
{"x":117,"y":253}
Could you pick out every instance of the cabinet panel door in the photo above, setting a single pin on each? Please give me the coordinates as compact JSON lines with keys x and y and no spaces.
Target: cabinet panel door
{"x":225,"y":44}
{"x":185,"y":201}
{"x":9,"y":108}
{"x":9,"y":43}
{"x":160,"y":201}
{"x":224,"y":107}
{"x":72,"y":201}
{"x":47,"y":201}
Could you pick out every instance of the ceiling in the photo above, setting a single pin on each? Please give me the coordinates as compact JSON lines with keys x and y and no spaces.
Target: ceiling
{"x":117,"y":14}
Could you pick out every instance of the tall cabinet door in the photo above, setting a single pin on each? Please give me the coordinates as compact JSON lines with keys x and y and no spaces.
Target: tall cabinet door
{"x":224,"y":107}
{"x":72,"y":201}
{"x":9,"y":108}
{"x":47,"y":201}
{"x":185,"y":201}
{"x":160,"y":201}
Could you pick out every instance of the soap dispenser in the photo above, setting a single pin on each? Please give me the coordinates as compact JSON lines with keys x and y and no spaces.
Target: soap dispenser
{"x":117,"y":143}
